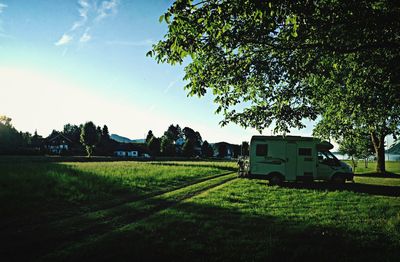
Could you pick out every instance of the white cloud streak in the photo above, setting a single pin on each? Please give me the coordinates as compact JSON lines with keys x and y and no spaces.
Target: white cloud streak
{"x":106,"y":9}
{"x":90,"y":13}
{"x":84,"y":8}
{"x":171,"y":84}
{"x":2,"y":7}
{"x":86,"y":36}
{"x":65,"y":39}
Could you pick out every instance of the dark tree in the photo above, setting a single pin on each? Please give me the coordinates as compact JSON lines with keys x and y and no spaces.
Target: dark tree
{"x":173,"y":132}
{"x":89,"y":137}
{"x":206,"y":149}
{"x":154,"y":145}
{"x":73,"y":132}
{"x":149,"y":136}
{"x":222,"y":150}
{"x":105,"y":134}
{"x":244,"y":148}
{"x":188,"y":148}
{"x":11,"y":140}
{"x":167,"y":146}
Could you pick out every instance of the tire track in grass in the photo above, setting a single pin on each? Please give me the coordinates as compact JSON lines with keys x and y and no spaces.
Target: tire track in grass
{"x":171,"y":199}
{"x":59,"y":235}
{"x":105,"y":206}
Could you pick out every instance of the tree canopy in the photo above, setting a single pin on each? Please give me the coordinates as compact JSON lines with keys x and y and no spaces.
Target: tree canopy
{"x":282,"y":61}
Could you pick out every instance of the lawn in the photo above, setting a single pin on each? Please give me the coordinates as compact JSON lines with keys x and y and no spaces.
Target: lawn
{"x":42,"y":190}
{"x":246,"y":220}
{"x":186,"y":211}
{"x":391,"y":167}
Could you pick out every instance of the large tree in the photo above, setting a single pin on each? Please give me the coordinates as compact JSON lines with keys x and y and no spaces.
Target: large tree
{"x":89,"y":137}
{"x":273,"y":62}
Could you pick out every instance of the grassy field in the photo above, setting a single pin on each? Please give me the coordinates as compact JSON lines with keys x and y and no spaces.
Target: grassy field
{"x":40,"y":190}
{"x":191,"y":211}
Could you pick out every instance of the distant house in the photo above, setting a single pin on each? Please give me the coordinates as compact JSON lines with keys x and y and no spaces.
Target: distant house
{"x":225,"y":150}
{"x":131,"y":150}
{"x":57,"y":143}
{"x":180,"y":141}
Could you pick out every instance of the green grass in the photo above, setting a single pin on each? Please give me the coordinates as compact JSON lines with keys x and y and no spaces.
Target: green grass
{"x":217,"y":220}
{"x":40,"y":190}
{"x":248,"y":221}
{"x":391,"y":167}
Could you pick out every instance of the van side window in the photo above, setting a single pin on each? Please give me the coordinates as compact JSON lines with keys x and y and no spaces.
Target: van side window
{"x":261,"y":150}
{"x":305,"y":151}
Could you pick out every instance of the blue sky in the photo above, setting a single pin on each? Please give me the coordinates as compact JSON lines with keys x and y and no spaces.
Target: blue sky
{"x":71,"y":61}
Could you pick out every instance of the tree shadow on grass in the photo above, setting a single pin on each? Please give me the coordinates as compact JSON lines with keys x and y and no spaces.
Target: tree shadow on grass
{"x":378,"y":175}
{"x":199,"y":232}
{"x":379,"y":190}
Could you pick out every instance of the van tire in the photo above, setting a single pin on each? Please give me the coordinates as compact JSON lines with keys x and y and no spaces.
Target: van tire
{"x":275,"y":179}
{"x":338,"y":179}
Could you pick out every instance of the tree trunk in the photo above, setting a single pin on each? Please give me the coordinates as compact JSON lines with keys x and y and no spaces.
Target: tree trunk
{"x":379,"y":145}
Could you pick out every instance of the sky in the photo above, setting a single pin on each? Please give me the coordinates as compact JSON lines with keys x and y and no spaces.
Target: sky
{"x":73,"y":61}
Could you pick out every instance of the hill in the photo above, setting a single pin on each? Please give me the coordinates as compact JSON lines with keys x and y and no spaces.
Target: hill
{"x":123,"y":139}
{"x":394,"y":149}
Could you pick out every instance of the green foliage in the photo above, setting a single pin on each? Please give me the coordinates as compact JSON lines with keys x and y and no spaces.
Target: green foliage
{"x":89,"y":137}
{"x":278,"y":62}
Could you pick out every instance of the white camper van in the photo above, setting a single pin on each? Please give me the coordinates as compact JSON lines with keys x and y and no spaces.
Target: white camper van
{"x":294,"y":158}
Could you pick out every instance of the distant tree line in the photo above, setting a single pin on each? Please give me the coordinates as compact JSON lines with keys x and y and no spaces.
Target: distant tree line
{"x":91,"y":140}
{"x":86,"y":137}
{"x":176,"y":141}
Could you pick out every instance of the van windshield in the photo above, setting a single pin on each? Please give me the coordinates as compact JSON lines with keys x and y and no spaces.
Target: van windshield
{"x":326,"y":157}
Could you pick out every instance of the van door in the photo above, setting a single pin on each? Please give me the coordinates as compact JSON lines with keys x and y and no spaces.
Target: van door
{"x":306,"y":163}
{"x":291,"y":161}
{"x":259,"y":159}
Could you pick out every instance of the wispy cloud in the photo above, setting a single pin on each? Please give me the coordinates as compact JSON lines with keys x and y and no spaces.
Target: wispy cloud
{"x":65,"y":39}
{"x":171,"y":84}
{"x":2,"y":7}
{"x":147,"y":42}
{"x":84,"y":8}
{"x":107,"y":8}
{"x":86,"y":36}
{"x":90,"y":13}
{"x":2,"y":33}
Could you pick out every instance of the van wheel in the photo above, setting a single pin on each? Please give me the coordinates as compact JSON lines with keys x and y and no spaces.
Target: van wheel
{"x":338,"y":180}
{"x":275,"y":180}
